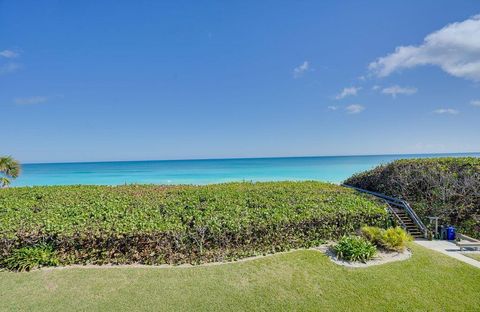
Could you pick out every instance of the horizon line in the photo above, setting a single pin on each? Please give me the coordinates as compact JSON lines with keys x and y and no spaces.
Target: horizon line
{"x":240,"y":158}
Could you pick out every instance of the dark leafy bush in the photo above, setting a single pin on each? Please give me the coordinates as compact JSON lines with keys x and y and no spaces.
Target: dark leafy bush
{"x":445,"y":187}
{"x":27,"y":258}
{"x":394,"y":238}
{"x":355,"y":248}
{"x":180,"y":224}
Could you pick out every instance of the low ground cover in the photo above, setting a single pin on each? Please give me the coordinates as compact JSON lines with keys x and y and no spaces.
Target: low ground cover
{"x":178,"y":224}
{"x":445,"y":187}
{"x":297,"y":281}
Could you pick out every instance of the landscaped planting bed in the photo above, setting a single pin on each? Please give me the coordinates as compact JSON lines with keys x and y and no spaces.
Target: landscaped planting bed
{"x":178,"y":224}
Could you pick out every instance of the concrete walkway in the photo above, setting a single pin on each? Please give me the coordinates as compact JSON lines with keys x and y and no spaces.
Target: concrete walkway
{"x":449,"y":249}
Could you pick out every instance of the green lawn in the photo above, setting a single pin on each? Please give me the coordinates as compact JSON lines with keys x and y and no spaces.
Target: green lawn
{"x":475,"y":256}
{"x":301,"y":280}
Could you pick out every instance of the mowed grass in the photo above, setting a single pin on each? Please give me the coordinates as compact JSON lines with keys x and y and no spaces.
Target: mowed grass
{"x":475,"y":256}
{"x":301,"y":280}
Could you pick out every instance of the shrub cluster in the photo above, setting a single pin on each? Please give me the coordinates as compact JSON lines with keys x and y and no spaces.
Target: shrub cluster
{"x":30,"y":257}
{"x":394,"y":238}
{"x":179,"y":224}
{"x":354,"y":248}
{"x":445,"y":187}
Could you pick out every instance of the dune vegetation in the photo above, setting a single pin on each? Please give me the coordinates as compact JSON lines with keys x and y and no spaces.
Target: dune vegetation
{"x":175,"y":224}
{"x":445,"y":187}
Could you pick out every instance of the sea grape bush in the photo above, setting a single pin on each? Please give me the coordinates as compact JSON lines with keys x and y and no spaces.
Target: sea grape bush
{"x":180,"y":224}
{"x":445,"y":187}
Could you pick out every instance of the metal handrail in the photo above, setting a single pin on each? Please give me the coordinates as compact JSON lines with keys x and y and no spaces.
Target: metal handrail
{"x":404,"y":226}
{"x":415,"y":218}
{"x":397,"y":202}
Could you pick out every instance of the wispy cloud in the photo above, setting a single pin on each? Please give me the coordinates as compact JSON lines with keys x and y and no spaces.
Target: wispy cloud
{"x":454,"y":48}
{"x":394,"y":90}
{"x":332,"y":107}
{"x":347,"y":92}
{"x":354,"y":109}
{"x":9,"y":54}
{"x":9,"y":68}
{"x":449,"y":111}
{"x":376,"y":87}
{"x":301,"y":69}
{"x":475,"y":103}
{"x":31,"y":100}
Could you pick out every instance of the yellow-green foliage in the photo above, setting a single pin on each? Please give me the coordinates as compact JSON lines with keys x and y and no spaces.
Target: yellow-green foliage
{"x":394,"y":238}
{"x":372,"y":233}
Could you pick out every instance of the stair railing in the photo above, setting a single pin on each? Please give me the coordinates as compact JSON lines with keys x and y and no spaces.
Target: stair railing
{"x":397,"y":217}
{"x":399,"y":203}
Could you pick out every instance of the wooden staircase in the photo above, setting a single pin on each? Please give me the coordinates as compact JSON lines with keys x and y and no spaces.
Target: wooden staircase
{"x":403,"y":214}
{"x":407,"y":223}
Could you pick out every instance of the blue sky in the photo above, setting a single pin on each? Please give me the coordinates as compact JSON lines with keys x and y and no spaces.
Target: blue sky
{"x":121,"y":80}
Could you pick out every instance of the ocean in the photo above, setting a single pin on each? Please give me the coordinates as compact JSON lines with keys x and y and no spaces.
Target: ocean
{"x":333,"y":169}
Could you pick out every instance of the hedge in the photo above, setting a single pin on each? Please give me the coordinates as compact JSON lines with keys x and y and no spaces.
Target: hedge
{"x":445,"y":187}
{"x":179,"y":224}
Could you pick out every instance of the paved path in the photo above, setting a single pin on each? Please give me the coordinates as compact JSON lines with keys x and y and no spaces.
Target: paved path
{"x":449,"y":249}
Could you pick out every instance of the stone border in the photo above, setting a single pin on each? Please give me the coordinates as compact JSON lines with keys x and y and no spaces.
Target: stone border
{"x":382,"y":257}
{"x":172,"y":266}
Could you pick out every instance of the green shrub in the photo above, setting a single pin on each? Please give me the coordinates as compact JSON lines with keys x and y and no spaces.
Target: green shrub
{"x":180,"y":224}
{"x":355,"y":248}
{"x":394,"y":238}
{"x":373,"y":234}
{"x":27,"y":258}
{"x":445,"y":187}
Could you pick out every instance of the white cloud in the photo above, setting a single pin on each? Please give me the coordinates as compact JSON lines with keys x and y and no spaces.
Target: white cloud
{"x":9,"y":68}
{"x":394,"y":90}
{"x":449,"y":111}
{"x":347,"y":92}
{"x":355,"y":109}
{"x":301,"y":69}
{"x":332,"y":107}
{"x":31,"y":100}
{"x":475,"y":103}
{"x":8,"y":54}
{"x":375,"y":87}
{"x":454,"y":48}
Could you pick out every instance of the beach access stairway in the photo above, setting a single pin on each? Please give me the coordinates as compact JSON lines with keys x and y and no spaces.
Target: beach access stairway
{"x":401,"y":211}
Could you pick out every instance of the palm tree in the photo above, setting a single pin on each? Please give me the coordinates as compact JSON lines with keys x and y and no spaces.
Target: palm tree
{"x":9,"y":169}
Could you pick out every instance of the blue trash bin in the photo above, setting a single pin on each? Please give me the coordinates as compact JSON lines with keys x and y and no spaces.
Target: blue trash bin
{"x":450,"y":233}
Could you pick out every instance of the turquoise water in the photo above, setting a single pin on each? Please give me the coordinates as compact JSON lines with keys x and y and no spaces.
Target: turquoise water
{"x":329,"y":168}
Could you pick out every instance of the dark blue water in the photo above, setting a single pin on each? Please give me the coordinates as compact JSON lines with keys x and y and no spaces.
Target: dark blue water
{"x":332,"y":169}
